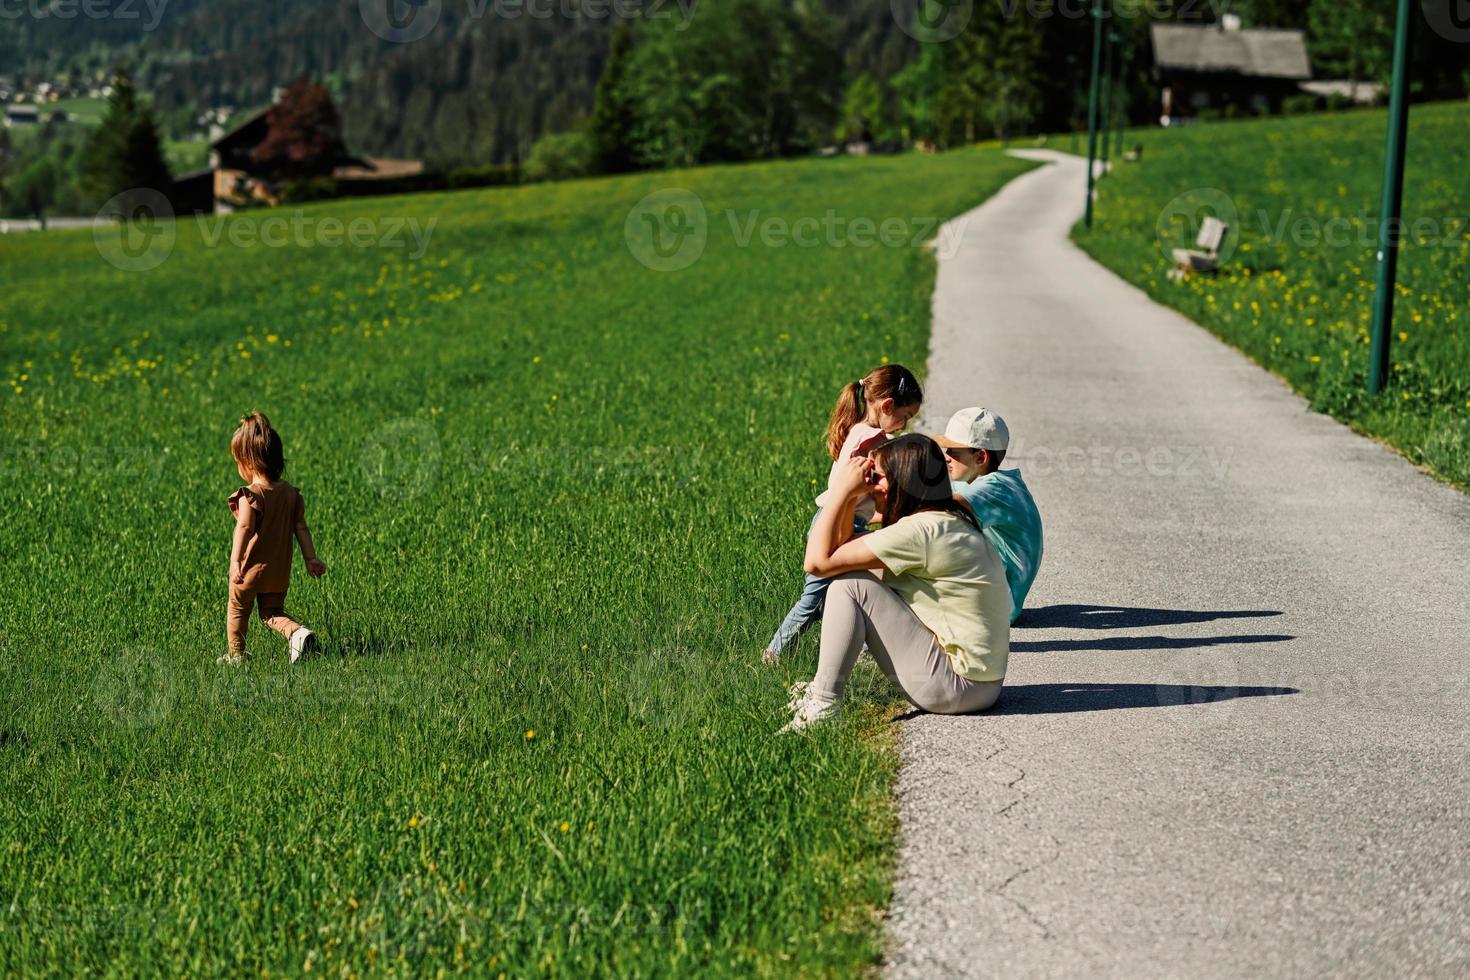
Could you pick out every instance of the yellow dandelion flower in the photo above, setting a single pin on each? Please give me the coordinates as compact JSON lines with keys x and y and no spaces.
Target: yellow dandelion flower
{"x":1316,"y":359}
{"x":530,"y":733}
{"x":566,"y":827}
{"x":413,"y":821}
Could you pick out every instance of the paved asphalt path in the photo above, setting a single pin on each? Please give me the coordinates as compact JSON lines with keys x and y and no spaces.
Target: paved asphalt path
{"x":1235,"y":737}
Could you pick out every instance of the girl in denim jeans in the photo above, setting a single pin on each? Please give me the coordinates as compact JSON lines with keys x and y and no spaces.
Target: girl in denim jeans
{"x":867,"y":412}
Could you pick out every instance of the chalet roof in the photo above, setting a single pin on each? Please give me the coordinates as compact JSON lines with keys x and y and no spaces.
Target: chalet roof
{"x":250,"y":131}
{"x":1256,"y":52}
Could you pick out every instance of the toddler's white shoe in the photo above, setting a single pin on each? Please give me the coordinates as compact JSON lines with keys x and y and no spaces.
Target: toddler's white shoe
{"x":808,"y":713}
{"x":303,"y":644}
{"x":231,"y":659}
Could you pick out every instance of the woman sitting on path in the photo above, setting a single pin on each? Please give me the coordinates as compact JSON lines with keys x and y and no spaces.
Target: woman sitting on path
{"x":938,"y":622}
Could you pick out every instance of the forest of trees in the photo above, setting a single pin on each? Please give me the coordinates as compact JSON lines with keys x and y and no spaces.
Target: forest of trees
{"x":737,"y":79}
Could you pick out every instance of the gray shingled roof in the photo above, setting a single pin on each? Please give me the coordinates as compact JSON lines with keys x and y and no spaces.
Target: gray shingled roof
{"x":1260,"y":52}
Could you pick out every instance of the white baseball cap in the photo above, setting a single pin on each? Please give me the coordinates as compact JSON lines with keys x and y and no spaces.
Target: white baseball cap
{"x":975,"y":428}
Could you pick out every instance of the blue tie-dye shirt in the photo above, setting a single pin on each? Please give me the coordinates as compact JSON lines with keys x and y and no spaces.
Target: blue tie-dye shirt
{"x":1012,"y":525}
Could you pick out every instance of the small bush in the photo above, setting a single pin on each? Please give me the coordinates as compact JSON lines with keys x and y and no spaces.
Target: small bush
{"x":557,"y":156}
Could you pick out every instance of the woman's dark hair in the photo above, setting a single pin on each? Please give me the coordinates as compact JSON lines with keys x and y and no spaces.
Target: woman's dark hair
{"x":257,"y":447}
{"x":918,"y":479}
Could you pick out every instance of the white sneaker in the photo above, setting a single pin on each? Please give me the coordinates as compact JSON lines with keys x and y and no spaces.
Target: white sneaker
{"x":808,"y":713}
{"x":798,"y":694}
{"x":303,"y":644}
{"x":231,"y":659}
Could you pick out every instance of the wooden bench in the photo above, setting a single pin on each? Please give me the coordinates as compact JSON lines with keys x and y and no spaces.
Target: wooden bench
{"x":1205,"y":256}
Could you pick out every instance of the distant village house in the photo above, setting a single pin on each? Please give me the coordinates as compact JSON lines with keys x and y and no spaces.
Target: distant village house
{"x":1215,"y":68}
{"x":233,"y":180}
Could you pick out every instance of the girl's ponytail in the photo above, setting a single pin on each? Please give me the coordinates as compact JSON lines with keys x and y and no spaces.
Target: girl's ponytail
{"x":849,"y":411}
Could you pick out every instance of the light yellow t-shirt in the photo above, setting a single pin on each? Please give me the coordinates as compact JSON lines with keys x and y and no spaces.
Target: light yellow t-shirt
{"x":953,"y":580}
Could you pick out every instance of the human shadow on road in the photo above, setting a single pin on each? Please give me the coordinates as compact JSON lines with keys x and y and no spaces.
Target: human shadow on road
{"x":1143,"y":643}
{"x":1082,"y":617}
{"x":1054,"y":699}
{"x":1047,"y":699}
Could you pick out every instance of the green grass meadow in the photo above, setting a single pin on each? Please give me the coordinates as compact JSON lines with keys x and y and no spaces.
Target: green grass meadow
{"x":1295,"y":290}
{"x":561,"y":496}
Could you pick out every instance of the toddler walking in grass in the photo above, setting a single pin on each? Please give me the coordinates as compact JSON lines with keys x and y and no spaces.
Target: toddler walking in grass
{"x":867,"y":413}
{"x":269,"y":512}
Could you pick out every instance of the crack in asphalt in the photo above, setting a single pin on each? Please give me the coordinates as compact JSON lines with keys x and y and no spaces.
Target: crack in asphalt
{"x":1056,"y":845}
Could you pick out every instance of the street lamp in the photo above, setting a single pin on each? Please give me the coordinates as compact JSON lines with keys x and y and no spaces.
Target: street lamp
{"x":1107,"y":97}
{"x":1392,"y":201}
{"x":1097,"y":18}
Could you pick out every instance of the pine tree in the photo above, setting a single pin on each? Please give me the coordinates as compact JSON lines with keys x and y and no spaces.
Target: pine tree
{"x":124,"y":159}
{"x":613,"y":110}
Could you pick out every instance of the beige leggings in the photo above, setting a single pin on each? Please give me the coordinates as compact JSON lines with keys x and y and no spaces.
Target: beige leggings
{"x":861,"y":609}
{"x":272,"y":613}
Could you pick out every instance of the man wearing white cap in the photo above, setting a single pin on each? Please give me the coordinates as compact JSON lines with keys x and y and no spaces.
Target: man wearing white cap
{"x":975,"y":443}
